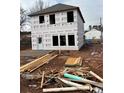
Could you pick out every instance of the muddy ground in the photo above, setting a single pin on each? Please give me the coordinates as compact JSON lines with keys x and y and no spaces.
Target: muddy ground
{"x":92,"y":56}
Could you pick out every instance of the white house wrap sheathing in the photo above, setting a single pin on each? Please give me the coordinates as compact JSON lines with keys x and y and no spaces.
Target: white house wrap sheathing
{"x":61,"y":27}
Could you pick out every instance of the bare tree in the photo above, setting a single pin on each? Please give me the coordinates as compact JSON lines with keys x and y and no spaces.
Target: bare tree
{"x":23,"y":18}
{"x":38,"y":6}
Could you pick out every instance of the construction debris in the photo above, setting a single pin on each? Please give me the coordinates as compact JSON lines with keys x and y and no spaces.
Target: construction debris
{"x":67,"y":89}
{"x":86,"y":81}
{"x":34,"y":86}
{"x":70,"y":83}
{"x":70,"y":75}
{"x":95,"y":75}
{"x":83,"y":80}
{"x":97,"y":90}
{"x":73,"y":61}
{"x":29,"y":76}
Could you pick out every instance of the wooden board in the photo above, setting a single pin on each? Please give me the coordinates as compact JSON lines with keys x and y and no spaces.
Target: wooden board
{"x":37,"y":63}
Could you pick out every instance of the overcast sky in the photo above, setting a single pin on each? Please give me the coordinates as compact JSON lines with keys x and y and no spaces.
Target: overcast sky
{"x":91,"y":10}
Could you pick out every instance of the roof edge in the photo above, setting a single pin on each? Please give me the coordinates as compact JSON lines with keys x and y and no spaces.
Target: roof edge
{"x":34,"y":14}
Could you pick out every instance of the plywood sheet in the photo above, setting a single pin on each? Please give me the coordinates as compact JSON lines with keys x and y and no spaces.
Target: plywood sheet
{"x":73,"y":61}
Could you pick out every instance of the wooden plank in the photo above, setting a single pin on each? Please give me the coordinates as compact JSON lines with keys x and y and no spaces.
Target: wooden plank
{"x":69,"y":83}
{"x":86,"y":87}
{"x":42,"y":80}
{"x":22,"y":67}
{"x":43,"y":63}
{"x":37,"y":63}
{"x":96,"y":76}
{"x":97,"y":84}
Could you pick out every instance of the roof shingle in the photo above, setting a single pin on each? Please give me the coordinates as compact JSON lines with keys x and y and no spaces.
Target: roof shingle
{"x":57,"y":8}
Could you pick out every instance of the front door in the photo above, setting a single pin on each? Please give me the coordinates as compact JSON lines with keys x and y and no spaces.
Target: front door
{"x":39,"y":39}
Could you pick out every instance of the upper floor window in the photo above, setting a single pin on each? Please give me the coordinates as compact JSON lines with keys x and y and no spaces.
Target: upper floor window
{"x":41,"y":19}
{"x":52,"y":19}
{"x":70,"y":16}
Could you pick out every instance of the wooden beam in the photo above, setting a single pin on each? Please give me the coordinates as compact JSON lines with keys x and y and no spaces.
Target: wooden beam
{"x":24,"y":66}
{"x":86,"y":87}
{"x":37,"y":63}
{"x":43,"y":63}
{"x":86,"y":81}
{"x":96,"y":76}
{"x":29,"y":65}
{"x":69,"y":83}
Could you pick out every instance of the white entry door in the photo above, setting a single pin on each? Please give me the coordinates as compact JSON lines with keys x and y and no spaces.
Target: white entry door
{"x":40,"y":43}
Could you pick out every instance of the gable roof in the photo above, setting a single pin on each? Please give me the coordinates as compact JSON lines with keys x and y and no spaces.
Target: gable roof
{"x":57,"y":8}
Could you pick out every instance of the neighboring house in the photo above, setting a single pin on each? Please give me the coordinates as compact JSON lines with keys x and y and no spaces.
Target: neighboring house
{"x":25,"y":40}
{"x":93,"y":34}
{"x":59,"y":27}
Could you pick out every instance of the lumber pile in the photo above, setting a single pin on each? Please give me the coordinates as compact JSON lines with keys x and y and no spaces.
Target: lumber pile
{"x":30,"y":67}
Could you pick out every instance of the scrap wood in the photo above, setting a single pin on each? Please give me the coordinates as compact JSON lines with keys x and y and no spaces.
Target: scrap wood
{"x":73,"y":61}
{"x":84,"y":68}
{"x":50,"y":78}
{"x":33,"y":86}
{"x":42,"y":80}
{"x":97,"y":84}
{"x":85,"y":87}
{"x":30,"y":76}
{"x":69,"y":83}
{"x":83,"y":80}
{"x":39,"y":71}
{"x":99,"y":66}
{"x":97,"y":90}
{"x":95,"y":75}
{"x":77,"y":70}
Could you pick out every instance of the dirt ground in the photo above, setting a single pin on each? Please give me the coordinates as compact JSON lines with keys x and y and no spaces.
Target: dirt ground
{"x":92,"y":56}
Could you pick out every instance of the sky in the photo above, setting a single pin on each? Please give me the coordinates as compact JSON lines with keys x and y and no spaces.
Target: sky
{"x":92,"y":10}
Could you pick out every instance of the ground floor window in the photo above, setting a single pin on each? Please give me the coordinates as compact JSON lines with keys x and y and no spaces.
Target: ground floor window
{"x":55,"y":40}
{"x":71,"y":40}
{"x":62,"y":40}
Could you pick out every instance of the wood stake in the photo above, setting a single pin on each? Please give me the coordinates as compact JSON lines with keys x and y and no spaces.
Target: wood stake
{"x":42,"y":80}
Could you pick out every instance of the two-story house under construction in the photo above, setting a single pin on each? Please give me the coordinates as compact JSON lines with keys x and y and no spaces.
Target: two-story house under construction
{"x":59,"y":27}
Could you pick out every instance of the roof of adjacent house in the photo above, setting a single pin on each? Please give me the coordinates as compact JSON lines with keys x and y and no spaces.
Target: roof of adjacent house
{"x":57,"y":8}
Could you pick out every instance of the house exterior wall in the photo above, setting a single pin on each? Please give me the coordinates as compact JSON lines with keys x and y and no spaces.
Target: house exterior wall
{"x":80,"y":33}
{"x":61,"y":27}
